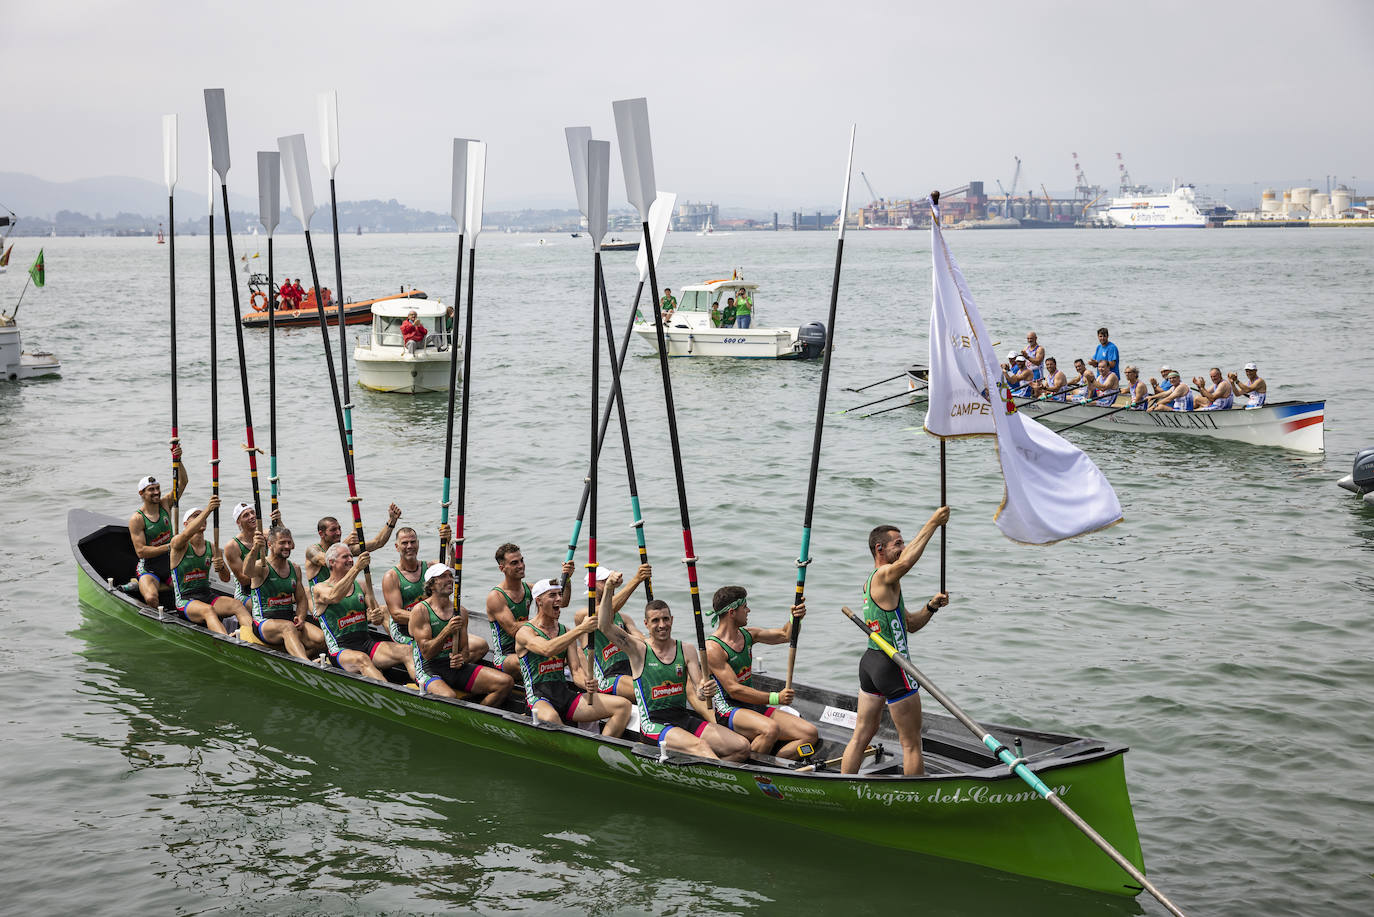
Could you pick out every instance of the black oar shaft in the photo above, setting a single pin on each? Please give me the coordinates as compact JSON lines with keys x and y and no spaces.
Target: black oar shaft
{"x":592,"y":451}
{"x":943,"y":502}
{"x":214,"y":378}
{"x":879,"y":400}
{"x":458,"y":519}
{"x":343,"y":362}
{"x":243,"y":359}
{"x":273,"y":479}
{"x":910,"y":404}
{"x":1006,"y":756}
{"x":452,"y":396}
{"x":1063,"y":430}
{"x":172,"y":327}
{"x":872,"y":384}
{"x":688,"y":549}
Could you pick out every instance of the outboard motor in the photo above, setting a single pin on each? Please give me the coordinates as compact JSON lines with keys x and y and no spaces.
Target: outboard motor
{"x":1361,"y":478}
{"x":811,"y":337}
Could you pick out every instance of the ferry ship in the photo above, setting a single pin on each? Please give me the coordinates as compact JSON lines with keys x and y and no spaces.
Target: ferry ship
{"x":1178,"y":209}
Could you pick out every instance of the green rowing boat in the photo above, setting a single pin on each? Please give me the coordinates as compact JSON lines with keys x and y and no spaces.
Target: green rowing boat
{"x":968,"y":807}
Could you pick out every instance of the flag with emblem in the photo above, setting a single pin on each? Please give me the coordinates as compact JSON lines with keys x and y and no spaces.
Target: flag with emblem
{"x":36,"y":270}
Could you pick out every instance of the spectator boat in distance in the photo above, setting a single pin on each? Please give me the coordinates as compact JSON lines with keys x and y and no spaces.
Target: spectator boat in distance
{"x":691,"y":332}
{"x":355,"y":313}
{"x":387,"y":364}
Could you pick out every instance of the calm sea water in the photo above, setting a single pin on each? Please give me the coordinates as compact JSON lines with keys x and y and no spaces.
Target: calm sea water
{"x":1221,"y":630}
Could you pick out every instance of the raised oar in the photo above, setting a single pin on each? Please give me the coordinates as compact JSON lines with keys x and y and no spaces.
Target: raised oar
{"x":472,"y":228}
{"x":214,"y":362}
{"x":598,"y":195}
{"x":458,"y":210}
{"x":909,"y":404}
{"x":269,"y":213}
{"x":577,"y":139}
{"x":329,"y":148}
{"x":1014,"y":764}
{"x":872,"y":384}
{"x":296,"y":170}
{"x":804,"y":555}
{"x":867,"y":404}
{"x":169,"y":174}
{"x":637,"y":159}
{"x":219,"y":159}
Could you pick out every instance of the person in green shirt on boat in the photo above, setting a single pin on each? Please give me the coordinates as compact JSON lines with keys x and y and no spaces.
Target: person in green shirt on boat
{"x":882,"y":681}
{"x":506,"y":612}
{"x":281,"y":605}
{"x":192,"y":558}
{"x":610,"y":663}
{"x":542,"y":645}
{"x":667,"y":679}
{"x":668,"y":304}
{"x":346,"y":610}
{"x":447,"y":658}
{"x":716,"y":318}
{"x":755,"y":714}
{"x":744,"y":308}
{"x":727,"y":320}
{"x":150,"y":529}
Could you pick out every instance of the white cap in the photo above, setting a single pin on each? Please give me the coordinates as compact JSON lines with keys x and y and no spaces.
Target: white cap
{"x":545,"y":585}
{"x":1252,"y":366}
{"x":602,"y":573}
{"x":1165,"y":368}
{"x":1011,"y":355}
{"x":146,"y":483}
{"x":240,"y":509}
{"x":437,"y":570}
{"x":186,"y":516}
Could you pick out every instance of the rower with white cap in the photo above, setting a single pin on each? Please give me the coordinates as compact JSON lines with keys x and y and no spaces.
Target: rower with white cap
{"x":446,"y":659}
{"x":1252,"y":386}
{"x":191,"y":558}
{"x":1017,"y":374}
{"x":1157,"y":387}
{"x":610,"y":662}
{"x":238,"y":552}
{"x":506,"y":612}
{"x":542,"y":645}
{"x":150,"y":529}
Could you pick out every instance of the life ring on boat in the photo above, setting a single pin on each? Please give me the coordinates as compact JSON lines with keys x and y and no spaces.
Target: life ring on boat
{"x":258,"y":301}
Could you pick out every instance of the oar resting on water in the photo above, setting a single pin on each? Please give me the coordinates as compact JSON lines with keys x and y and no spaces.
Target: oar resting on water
{"x":1015,"y":764}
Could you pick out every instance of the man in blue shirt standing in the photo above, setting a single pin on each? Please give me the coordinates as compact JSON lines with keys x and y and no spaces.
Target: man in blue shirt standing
{"x":1106,"y":351}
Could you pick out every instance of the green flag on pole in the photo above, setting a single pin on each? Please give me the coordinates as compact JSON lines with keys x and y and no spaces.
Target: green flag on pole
{"x":36,"y":270}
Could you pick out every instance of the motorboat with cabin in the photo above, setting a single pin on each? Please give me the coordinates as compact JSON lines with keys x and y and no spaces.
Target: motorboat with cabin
{"x":690,"y":331}
{"x":386,"y":363}
{"x":16,"y":363}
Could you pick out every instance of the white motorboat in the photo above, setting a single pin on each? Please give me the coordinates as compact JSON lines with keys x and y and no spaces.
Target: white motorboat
{"x":691,"y":331}
{"x":386,"y":364}
{"x":16,"y":363}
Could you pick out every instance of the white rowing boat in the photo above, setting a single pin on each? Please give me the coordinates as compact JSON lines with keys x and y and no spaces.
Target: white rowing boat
{"x":1296,"y":425}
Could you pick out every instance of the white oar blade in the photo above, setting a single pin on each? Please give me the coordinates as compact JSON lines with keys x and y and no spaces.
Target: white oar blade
{"x":169,"y":151}
{"x":269,"y":189}
{"x":636,"y":153}
{"x":578,"y":138}
{"x":848,"y":174}
{"x":329,"y":130}
{"x":477,"y":183}
{"x":218,"y":122}
{"x":296,"y":173}
{"x":598,"y":189}
{"x":660,"y":215}
{"x":459,"y":210}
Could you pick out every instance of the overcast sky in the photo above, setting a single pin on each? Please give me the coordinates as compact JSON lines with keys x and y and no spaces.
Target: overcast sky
{"x":750,"y":102}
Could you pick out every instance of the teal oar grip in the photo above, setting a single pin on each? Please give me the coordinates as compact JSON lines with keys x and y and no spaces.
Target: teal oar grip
{"x":572,"y":540}
{"x":804,"y":556}
{"x":1020,"y":770}
{"x":443,"y":507}
{"x":273,"y":465}
{"x":639,"y":519}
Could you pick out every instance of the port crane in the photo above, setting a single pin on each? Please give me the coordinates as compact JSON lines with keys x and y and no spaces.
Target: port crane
{"x":869,"y":185}
{"x":1008,"y":195}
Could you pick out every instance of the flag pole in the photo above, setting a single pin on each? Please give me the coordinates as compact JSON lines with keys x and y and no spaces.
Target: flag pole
{"x":804,"y":555}
{"x":169,"y":172}
{"x":935,"y":199}
{"x":458,"y":210}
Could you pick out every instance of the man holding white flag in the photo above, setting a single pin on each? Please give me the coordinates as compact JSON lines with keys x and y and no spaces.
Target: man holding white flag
{"x":1053,"y":491}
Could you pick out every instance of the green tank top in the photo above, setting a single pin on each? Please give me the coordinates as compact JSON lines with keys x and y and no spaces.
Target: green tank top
{"x":321,"y":574}
{"x":191,"y":577}
{"x":275,"y":599}
{"x":347,"y":618}
{"x":891,"y":624}
{"x":605,"y":653}
{"x":410,"y":592}
{"x":741,"y":663}
{"x":159,"y":532}
{"x":239,"y":594}
{"x":436,"y":624}
{"x":539,"y":669}
{"x":662,"y":686}
{"x":503,"y":642}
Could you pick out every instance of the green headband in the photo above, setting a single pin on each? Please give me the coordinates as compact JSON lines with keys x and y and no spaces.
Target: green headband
{"x":715,"y":615}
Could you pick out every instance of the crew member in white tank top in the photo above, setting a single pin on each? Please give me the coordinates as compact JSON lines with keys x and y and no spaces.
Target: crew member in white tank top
{"x":1035,"y":356}
{"x":1215,"y":397}
{"x":1178,"y":397}
{"x":1251,"y":386}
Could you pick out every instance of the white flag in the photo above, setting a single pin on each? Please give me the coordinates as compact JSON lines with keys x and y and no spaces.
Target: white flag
{"x":1053,"y":491}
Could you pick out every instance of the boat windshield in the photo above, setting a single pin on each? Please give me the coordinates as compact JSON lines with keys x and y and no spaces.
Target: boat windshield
{"x":694,"y":301}
{"x":386,"y":330}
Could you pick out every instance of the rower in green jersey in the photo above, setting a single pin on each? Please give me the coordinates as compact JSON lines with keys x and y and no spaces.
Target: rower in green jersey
{"x":542,"y":645}
{"x":403,"y":585}
{"x":346,"y":609}
{"x":281,"y":606}
{"x":331,"y":533}
{"x":744,"y":708}
{"x":150,"y":529}
{"x":447,"y":659}
{"x":881,"y":681}
{"x":667,"y":680}
{"x":610,"y":663}
{"x":510,"y":603}
{"x":192,"y":558}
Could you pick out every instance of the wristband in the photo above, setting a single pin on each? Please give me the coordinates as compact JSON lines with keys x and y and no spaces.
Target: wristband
{"x":930,"y":609}
{"x":773,"y":699}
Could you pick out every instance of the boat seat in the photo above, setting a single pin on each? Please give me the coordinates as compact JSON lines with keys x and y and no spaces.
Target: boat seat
{"x":247,"y":636}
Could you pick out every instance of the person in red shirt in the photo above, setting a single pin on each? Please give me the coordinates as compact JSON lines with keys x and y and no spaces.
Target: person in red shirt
{"x":286,"y":296}
{"x":412,"y":332}
{"x":297,"y":293}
